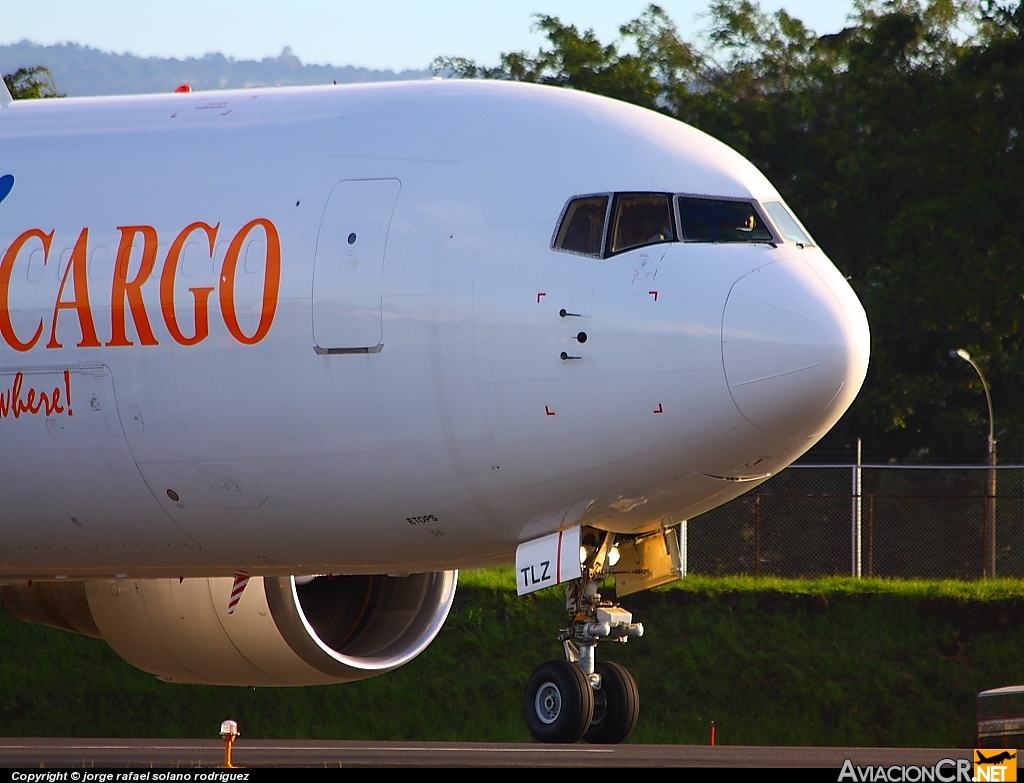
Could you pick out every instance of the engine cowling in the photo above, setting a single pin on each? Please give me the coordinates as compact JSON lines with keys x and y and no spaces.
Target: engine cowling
{"x":284,"y":631}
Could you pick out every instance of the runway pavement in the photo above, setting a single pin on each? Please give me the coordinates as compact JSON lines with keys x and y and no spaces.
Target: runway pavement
{"x":22,"y":752}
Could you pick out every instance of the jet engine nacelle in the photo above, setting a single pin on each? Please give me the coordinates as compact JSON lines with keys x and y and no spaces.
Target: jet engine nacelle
{"x":312,"y":630}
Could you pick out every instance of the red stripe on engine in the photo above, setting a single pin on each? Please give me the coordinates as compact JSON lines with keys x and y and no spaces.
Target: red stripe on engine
{"x":237,"y":588}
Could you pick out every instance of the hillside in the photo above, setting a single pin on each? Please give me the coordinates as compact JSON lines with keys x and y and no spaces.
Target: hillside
{"x":81,"y":70}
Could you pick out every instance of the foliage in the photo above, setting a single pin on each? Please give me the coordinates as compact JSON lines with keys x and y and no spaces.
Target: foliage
{"x":503,"y":578}
{"x":663,"y":64}
{"x":897,"y":140}
{"x":32,"y":83}
{"x":826,"y":662}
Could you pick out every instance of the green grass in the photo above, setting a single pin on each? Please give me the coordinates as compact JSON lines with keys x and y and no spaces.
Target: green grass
{"x":771,"y":661}
{"x":987,"y":590}
{"x":499,"y":578}
{"x":503,"y":578}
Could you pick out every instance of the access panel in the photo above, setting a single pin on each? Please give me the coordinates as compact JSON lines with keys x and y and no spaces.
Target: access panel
{"x":349,"y":266}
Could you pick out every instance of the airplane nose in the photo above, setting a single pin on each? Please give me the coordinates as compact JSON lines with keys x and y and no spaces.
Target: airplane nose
{"x":795,"y":346}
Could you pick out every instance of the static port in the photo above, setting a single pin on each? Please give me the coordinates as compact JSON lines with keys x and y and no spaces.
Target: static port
{"x":582,"y":337}
{"x":172,"y":495}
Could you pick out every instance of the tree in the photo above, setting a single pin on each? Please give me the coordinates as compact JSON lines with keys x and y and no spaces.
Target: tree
{"x":899,"y":142}
{"x":35,"y":82}
{"x":663,"y":64}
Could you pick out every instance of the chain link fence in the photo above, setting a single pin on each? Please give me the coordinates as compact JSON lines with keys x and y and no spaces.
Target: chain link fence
{"x":903,"y":521}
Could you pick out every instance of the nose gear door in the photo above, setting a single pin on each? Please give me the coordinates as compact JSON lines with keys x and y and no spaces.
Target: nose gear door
{"x":349,"y":266}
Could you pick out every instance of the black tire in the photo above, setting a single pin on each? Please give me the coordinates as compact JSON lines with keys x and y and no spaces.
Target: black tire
{"x":616,"y":705}
{"x":559,"y":702}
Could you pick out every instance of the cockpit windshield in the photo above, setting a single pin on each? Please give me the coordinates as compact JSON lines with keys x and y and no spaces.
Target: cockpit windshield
{"x":786,"y":223}
{"x":582,"y":229}
{"x":720,"y":220}
{"x":641,"y":219}
{"x":603,"y":225}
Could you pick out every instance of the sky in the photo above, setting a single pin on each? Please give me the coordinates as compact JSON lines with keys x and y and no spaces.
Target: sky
{"x":396,"y":34}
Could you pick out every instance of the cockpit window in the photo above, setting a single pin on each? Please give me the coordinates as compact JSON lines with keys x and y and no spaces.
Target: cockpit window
{"x":786,"y":223}
{"x":641,"y":219}
{"x":582,"y":227}
{"x":719,"y":220}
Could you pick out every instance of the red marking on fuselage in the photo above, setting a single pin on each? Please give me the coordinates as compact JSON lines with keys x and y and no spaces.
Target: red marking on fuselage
{"x":539,"y":296}
{"x":67,"y":386}
{"x":11,"y":403}
{"x":660,"y":409}
{"x":654,"y":294}
{"x":558,"y":562}
{"x":548,"y":411}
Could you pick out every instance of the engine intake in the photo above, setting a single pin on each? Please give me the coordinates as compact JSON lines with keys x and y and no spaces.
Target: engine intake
{"x":284,"y":631}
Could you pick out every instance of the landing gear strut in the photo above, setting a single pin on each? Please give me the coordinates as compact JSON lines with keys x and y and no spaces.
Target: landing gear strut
{"x":577,"y":697}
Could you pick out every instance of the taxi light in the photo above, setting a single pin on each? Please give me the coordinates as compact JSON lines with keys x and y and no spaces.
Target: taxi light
{"x":229,"y":733}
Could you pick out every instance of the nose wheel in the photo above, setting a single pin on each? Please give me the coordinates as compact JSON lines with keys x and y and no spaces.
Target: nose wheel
{"x":616,"y":705}
{"x":579,"y":697}
{"x":562,"y":704}
{"x":559,"y":704}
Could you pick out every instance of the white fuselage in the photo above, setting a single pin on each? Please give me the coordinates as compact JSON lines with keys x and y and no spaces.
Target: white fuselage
{"x":406,"y":408}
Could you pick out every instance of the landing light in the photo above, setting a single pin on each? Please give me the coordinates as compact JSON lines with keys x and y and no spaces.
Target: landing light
{"x":613,"y":555}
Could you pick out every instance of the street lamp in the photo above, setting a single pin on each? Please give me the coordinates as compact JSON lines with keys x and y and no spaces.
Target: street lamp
{"x":989,"y":542}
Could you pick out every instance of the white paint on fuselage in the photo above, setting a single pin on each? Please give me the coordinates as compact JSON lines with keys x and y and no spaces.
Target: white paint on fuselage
{"x":286,"y":461}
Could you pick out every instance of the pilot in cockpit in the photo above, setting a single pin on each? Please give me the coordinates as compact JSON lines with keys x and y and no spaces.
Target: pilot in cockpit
{"x":663,"y":234}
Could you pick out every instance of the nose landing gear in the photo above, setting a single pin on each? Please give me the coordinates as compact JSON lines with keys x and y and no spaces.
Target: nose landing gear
{"x":574,"y":698}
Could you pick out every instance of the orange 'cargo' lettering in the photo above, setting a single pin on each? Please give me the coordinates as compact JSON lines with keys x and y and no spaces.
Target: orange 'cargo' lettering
{"x":126,"y":295}
{"x":122,"y":288}
{"x":6,"y":269}
{"x":79,"y":272}
{"x":201,"y":295}
{"x":271,"y":282}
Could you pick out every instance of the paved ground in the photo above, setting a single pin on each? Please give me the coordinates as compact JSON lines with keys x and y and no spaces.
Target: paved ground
{"x":21,"y":752}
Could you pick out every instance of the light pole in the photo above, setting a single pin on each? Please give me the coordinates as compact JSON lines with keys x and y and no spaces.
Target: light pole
{"x":989,"y":534}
